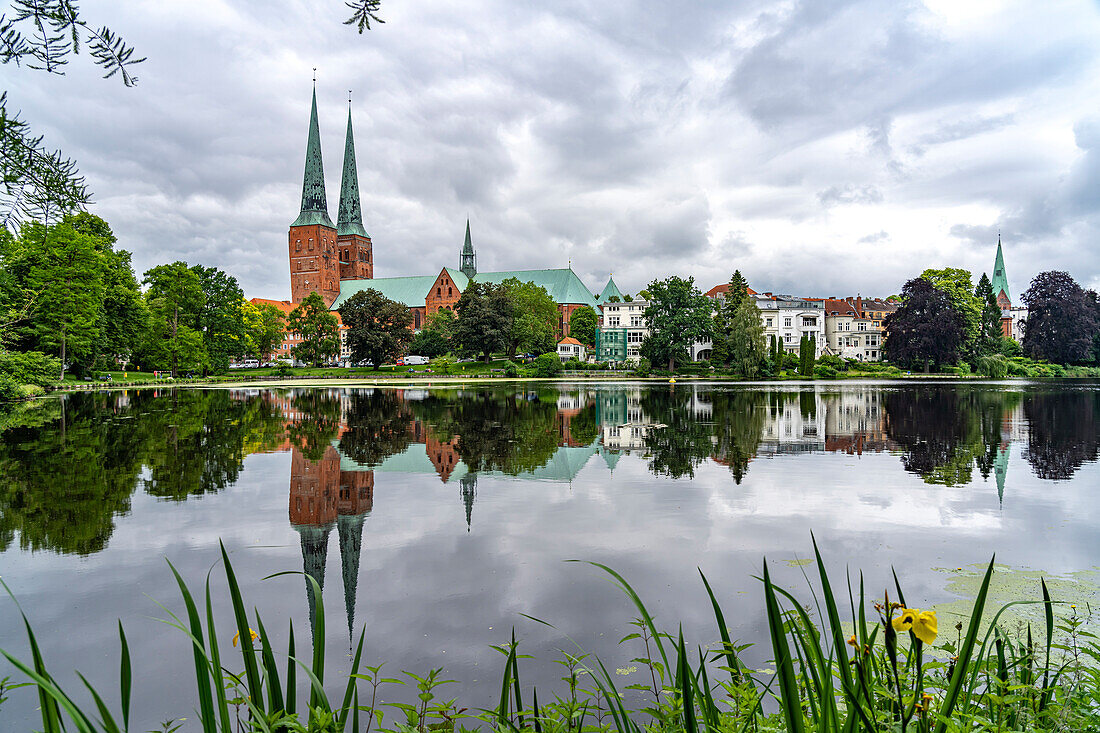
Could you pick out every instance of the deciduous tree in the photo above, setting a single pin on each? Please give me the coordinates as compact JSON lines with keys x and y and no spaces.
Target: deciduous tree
{"x":1061,"y":319}
{"x":175,"y":300}
{"x":678,"y":315}
{"x":379,"y":329}
{"x":318,"y":329}
{"x":960,"y":291}
{"x":925,"y":329}
{"x":582,"y":325}
{"x":535,"y":318}
{"x":485,"y":313}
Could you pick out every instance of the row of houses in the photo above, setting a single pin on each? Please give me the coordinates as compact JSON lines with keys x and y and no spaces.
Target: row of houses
{"x":850,"y":327}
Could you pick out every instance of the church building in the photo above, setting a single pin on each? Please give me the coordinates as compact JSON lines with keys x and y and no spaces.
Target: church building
{"x":338,"y":261}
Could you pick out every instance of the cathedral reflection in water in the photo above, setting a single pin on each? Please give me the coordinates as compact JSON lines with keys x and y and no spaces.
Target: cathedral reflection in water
{"x":343,"y":440}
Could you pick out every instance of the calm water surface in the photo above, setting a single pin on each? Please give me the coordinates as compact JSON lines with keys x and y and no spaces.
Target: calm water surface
{"x":434,"y":518}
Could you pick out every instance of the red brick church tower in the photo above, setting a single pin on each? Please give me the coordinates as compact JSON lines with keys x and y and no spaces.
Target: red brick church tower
{"x":314,"y":265}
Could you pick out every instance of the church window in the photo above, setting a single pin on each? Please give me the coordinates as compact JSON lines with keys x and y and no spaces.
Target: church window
{"x":298,"y":246}
{"x":311,"y":245}
{"x":439,"y":292}
{"x":449,"y":291}
{"x":299,"y":265}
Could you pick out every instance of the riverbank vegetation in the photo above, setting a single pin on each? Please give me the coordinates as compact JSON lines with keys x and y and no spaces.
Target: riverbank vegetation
{"x":861,"y":663}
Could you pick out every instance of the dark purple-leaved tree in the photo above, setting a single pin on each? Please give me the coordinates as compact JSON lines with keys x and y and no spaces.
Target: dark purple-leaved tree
{"x":1061,"y":319}
{"x":926,"y":329}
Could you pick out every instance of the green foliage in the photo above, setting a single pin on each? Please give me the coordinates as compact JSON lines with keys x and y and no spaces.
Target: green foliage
{"x":926,"y":329}
{"x":378,"y":329}
{"x":745,"y":334}
{"x":534,"y":318}
{"x":678,"y":315}
{"x":546,"y":365}
{"x":806,"y":356}
{"x":220,"y":318}
{"x":1062,"y":319}
{"x":955,"y":283}
{"x":511,"y":369}
{"x":264,"y":326}
{"x":318,"y":329}
{"x":824,"y":371}
{"x":176,"y":299}
{"x":1010,"y":347}
{"x":29,"y":367}
{"x":643,"y":368}
{"x":434,"y":339}
{"x":485,"y":313}
{"x":992,"y":365}
{"x":582,"y":325}
{"x":989,"y":330}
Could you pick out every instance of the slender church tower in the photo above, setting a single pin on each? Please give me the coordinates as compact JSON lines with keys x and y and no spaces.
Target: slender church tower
{"x":1000,"y":291}
{"x":356,"y":257}
{"x":314,"y":266}
{"x":468,"y":265}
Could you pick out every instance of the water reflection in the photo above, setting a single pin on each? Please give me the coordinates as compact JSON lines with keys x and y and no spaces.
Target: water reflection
{"x":71,"y":465}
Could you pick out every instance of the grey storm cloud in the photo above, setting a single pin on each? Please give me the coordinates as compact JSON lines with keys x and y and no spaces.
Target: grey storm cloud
{"x":642,"y":138}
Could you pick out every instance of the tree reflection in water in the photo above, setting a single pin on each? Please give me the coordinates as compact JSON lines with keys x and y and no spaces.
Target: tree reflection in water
{"x":68,"y":468}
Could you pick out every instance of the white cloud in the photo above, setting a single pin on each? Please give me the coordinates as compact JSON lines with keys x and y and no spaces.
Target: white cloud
{"x":634,"y":137}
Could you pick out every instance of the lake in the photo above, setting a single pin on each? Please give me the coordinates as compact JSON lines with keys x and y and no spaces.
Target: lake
{"x":435,"y":518}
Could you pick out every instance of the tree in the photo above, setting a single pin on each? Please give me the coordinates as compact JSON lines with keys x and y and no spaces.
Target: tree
{"x":989,"y":328}
{"x":582,"y":325}
{"x":65,"y":269}
{"x":747,"y":348}
{"x":379,"y":329}
{"x":678,"y":315}
{"x":1061,"y":319}
{"x":806,"y":349}
{"x":318,"y":329}
{"x":736,"y":294}
{"x":534,"y":320}
{"x":220,"y":319}
{"x":485,"y":314}
{"x":175,"y":300}
{"x":36,"y":184}
{"x":956,"y":283}
{"x":925,"y":328}
{"x":435,"y":338}
{"x":265,"y":325}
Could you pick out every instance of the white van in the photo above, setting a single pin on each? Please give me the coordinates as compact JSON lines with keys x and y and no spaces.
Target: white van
{"x":413,"y":360}
{"x":250,"y":364}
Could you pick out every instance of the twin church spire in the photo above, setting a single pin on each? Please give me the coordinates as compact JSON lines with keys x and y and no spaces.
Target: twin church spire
{"x":349,"y":216}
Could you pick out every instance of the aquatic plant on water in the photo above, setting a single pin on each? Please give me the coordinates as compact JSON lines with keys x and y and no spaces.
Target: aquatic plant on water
{"x":831,"y":673}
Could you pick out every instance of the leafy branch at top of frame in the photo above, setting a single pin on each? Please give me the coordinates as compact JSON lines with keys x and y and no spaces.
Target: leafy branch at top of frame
{"x":45,"y":33}
{"x":362,"y":13}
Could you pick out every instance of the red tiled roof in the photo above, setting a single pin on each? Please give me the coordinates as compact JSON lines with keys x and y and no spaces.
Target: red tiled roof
{"x":724,"y":288}
{"x":570,"y":341}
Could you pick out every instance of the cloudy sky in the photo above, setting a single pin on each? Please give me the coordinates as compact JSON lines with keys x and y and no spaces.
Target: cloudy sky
{"x":825,"y":147}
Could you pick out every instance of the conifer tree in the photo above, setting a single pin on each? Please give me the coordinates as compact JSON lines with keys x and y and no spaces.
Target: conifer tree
{"x":989,"y":333}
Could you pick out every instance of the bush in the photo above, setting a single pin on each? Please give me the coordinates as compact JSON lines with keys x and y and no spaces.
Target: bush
{"x":9,"y":390}
{"x":29,"y":367}
{"x":791,"y":361}
{"x":644,"y":368}
{"x":511,"y":369}
{"x":1010,"y":347}
{"x":995,"y":366}
{"x":835,"y":362}
{"x":546,"y":365}
{"x":824,"y":371}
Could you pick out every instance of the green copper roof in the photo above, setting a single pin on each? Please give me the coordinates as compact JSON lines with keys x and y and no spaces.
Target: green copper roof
{"x":349,"y":217}
{"x":468,"y":261}
{"x":314,"y":200}
{"x":408,"y":290}
{"x":608,"y":290}
{"x":563,"y":285}
{"x":1000,"y":278}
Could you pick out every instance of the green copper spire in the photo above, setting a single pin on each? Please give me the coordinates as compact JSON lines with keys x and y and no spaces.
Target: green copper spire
{"x":609,"y":290}
{"x":468,"y":265}
{"x":350,"y":529}
{"x":1000,"y":279}
{"x":314,"y":200}
{"x":349,"y":217}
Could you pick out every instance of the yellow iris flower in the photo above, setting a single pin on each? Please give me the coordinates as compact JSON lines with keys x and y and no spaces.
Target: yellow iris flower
{"x":921,"y":623}
{"x":237,"y":636}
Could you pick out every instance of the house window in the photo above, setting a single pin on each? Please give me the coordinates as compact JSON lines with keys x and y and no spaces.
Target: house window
{"x":809,"y":322}
{"x":768,"y":322}
{"x":862,"y":327}
{"x":787,"y":337}
{"x":613,"y":321}
{"x":786,"y":323}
